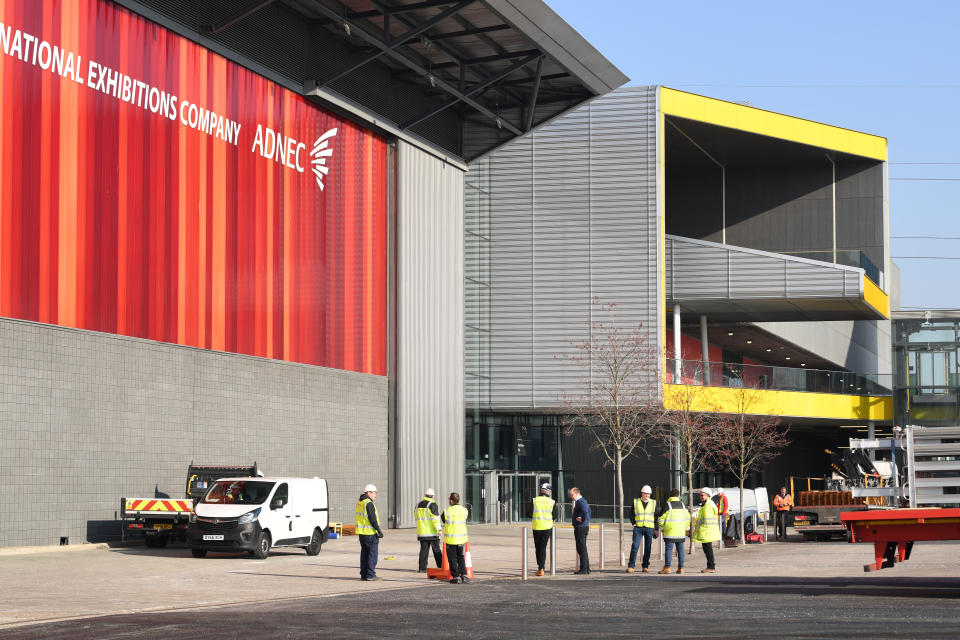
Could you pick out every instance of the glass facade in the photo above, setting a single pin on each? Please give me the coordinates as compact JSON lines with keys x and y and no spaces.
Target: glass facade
{"x":927,"y":377}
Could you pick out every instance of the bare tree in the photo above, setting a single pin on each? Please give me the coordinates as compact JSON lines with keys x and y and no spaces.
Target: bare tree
{"x":686,"y":431}
{"x":620,"y":402}
{"x":744,"y":440}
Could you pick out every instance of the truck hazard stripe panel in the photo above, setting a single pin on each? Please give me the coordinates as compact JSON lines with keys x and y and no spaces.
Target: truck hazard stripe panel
{"x":134,"y":504}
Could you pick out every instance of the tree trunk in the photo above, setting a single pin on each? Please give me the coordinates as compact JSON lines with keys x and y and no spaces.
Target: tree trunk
{"x":742,"y":509}
{"x":620,"y":501}
{"x":690,"y":492}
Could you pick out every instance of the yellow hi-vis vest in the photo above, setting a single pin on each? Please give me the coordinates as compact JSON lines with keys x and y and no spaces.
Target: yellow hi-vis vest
{"x":455,"y":530}
{"x":675,"y":521}
{"x":543,"y":513}
{"x":643,"y":516}
{"x":364,"y":526}
{"x":707,"y":527}
{"x":428,"y":525}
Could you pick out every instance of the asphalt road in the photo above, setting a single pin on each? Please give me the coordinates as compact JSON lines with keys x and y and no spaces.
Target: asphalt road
{"x":610,"y":605}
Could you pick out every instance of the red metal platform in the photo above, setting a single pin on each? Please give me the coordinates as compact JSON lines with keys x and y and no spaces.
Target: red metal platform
{"x":893,"y":532}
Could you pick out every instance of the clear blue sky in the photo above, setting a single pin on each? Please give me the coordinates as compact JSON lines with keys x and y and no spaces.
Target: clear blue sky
{"x":883,"y":67}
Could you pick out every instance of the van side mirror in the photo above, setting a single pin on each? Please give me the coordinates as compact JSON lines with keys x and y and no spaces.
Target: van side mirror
{"x":277,"y":503}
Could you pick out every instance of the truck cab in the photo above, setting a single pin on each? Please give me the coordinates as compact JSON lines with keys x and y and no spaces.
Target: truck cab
{"x":258,"y":514}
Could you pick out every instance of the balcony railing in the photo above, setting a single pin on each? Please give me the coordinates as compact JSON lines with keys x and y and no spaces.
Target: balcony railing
{"x":759,"y":376}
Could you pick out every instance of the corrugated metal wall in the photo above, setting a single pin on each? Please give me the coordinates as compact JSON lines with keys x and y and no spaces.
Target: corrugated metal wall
{"x":699,"y":270}
{"x":429,"y":448}
{"x":572,"y":216}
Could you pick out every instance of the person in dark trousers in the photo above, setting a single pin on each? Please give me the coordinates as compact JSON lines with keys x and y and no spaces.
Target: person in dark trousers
{"x":645,"y":529}
{"x":544,"y":513}
{"x":369,"y":533}
{"x":455,"y":537}
{"x":783,"y":502}
{"x":581,"y":527}
{"x":427,"y":515}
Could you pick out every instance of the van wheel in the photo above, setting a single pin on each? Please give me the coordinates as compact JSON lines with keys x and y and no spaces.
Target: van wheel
{"x":263,"y":547}
{"x":316,"y":542}
{"x":198,"y":553}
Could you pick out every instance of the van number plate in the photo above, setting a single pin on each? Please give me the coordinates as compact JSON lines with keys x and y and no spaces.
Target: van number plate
{"x":162,"y":526}
{"x":213,"y":537}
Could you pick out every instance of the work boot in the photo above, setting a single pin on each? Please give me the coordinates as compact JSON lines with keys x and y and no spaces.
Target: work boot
{"x":630,"y":569}
{"x":708,"y":571}
{"x":664,"y":571}
{"x":539,"y":573}
{"x":680,"y":570}
{"x":464,"y":580}
{"x":645,"y":570}
{"x":454,"y":581}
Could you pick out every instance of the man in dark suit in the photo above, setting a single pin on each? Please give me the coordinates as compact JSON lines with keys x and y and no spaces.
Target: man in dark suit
{"x":581,"y":527}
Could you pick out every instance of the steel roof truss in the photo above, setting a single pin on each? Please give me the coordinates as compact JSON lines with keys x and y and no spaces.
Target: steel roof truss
{"x":472,"y":90}
{"x":386,"y":46}
{"x":392,"y":52}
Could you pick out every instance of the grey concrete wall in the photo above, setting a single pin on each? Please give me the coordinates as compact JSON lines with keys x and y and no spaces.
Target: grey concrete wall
{"x":88,"y":418}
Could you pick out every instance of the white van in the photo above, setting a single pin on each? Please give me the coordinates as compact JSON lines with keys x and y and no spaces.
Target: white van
{"x":256,"y":514}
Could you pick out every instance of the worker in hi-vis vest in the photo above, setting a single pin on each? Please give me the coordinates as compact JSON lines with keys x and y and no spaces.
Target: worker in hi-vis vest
{"x":455,"y":537}
{"x":544,"y":508}
{"x":706,"y":529}
{"x":783,"y":501}
{"x":427,"y":514}
{"x":674,"y":523}
{"x":368,"y":532}
{"x":644,"y":529}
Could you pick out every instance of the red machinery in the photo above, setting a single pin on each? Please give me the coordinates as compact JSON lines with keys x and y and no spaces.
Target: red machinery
{"x":893,"y":532}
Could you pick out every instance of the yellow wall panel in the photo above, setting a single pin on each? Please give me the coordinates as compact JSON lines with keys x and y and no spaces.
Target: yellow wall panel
{"x":875,"y":297}
{"x":785,"y":403}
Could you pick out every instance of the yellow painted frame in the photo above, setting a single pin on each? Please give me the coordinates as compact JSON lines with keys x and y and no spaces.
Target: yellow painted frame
{"x":875,"y":297}
{"x":768,"y":123}
{"x":783,"y":403}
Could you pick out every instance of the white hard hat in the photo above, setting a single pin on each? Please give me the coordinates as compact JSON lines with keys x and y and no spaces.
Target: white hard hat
{"x":706,"y":490}
{"x":720,"y":490}
{"x":546,"y":486}
{"x":646,"y":489}
{"x":370,"y":487}
{"x":429,"y":492}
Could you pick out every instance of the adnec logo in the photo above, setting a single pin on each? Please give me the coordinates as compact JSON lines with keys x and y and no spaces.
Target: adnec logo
{"x":291,"y":153}
{"x":320,"y":153}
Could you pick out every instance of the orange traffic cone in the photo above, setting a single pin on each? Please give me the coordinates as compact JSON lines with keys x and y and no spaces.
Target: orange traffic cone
{"x":467,"y":561}
{"x":443,"y":573}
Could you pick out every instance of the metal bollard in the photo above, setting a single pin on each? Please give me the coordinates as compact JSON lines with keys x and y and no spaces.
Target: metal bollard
{"x":660,"y":538}
{"x":601,"y":545}
{"x":554,"y":542}
{"x":523,"y":563}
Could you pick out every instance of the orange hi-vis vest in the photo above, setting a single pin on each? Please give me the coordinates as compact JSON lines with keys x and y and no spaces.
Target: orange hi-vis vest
{"x":783,"y":503}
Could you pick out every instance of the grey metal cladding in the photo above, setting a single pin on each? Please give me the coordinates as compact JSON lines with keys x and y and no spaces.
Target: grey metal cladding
{"x":573,"y":217}
{"x":430,"y":328}
{"x":698,"y":270}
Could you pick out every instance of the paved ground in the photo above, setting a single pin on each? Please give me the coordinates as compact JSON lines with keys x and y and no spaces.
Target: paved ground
{"x":776,"y":590}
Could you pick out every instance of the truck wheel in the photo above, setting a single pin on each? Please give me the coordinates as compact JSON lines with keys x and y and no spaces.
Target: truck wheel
{"x":316,"y":542}
{"x":198,"y":553}
{"x":263,"y":547}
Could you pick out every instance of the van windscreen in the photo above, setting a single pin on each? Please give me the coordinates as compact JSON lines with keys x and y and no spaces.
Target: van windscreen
{"x":238,"y":492}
